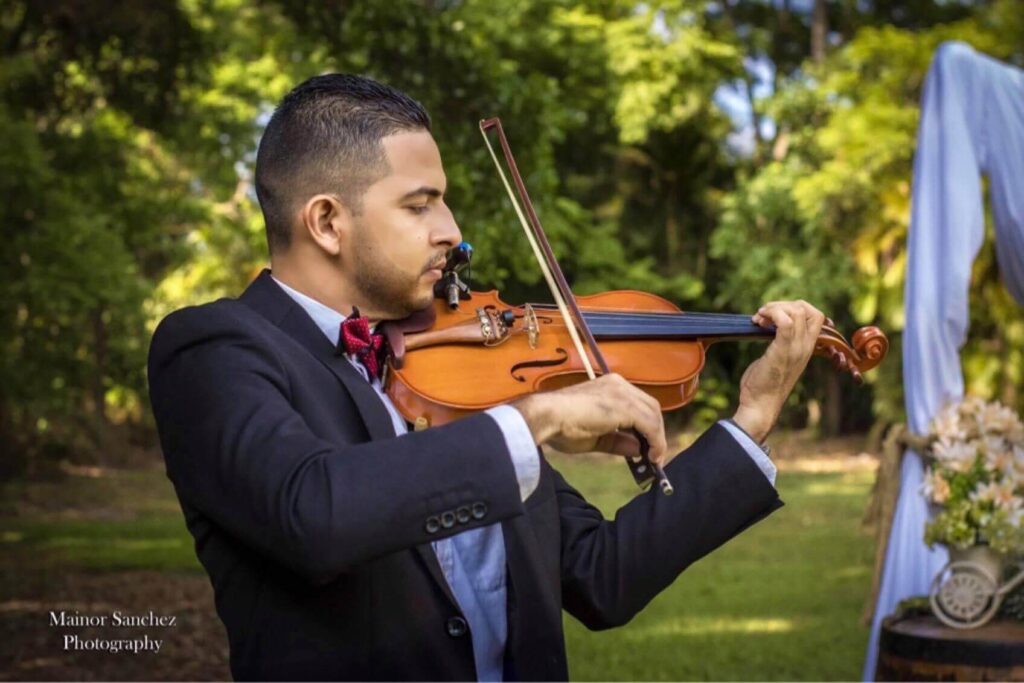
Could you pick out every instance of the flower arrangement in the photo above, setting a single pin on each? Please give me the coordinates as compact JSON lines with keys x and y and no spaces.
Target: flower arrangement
{"x":975,"y":474}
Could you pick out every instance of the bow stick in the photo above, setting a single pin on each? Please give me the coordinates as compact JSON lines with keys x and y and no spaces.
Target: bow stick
{"x":643,"y":470}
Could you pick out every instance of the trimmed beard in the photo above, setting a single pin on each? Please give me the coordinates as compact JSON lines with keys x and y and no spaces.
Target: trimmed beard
{"x":377,"y":280}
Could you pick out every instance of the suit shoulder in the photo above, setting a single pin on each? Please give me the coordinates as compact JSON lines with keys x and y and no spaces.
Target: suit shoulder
{"x":219,"y":315}
{"x":192,"y":327}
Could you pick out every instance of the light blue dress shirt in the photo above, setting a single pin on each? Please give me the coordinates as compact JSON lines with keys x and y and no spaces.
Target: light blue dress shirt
{"x":473,"y":561}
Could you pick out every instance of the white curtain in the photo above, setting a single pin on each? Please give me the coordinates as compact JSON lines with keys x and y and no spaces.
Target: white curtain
{"x":972,"y":124}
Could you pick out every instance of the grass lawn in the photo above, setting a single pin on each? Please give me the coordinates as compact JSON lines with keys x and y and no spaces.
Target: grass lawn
{"x":781,"y":601}
{"x":123,"y":519}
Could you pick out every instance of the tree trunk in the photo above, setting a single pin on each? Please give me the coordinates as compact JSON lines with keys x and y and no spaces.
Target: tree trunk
{"x":819,"y":31}
{"x":832,"y":410}
{"x":671,"y":227}
{"x":755,"y":120}
{"x":99,"y":391}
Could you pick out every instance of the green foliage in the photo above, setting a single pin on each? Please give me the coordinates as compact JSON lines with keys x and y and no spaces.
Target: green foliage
{"x":130,"y":130}
{"x":826,"y":218}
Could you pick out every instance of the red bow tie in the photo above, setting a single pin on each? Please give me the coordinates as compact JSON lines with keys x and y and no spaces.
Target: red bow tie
{"x":368,"y":348}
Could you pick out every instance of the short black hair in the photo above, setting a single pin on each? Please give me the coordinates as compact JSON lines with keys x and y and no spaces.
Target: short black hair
{"x":325,"y":137}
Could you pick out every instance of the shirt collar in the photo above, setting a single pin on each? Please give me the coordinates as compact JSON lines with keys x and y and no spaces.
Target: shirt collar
{"x":326,"y":318}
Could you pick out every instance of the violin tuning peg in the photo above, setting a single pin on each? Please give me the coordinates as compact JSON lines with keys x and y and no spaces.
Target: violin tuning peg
{"x":857,"y":377}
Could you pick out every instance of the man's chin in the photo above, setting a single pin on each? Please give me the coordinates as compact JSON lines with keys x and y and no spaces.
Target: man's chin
{"x":423,"y":301}
{"x":414,"y":304}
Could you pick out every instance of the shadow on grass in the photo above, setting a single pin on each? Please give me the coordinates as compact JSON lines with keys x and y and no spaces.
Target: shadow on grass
{"x":157,"y":543}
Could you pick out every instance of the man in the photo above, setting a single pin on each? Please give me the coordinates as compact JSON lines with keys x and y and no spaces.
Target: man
{"x":342,"y":547}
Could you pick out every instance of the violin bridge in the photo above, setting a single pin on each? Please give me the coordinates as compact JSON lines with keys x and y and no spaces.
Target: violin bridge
{"x":531,"y":325}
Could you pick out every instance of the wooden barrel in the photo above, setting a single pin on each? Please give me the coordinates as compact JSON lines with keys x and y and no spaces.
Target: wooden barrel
{"x":920,"y":648}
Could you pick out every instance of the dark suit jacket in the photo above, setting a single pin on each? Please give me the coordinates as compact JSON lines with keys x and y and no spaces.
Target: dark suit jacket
{"x":314,"y":520}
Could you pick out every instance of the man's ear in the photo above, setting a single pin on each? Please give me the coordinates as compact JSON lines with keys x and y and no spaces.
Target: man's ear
{"x":327,"y":221}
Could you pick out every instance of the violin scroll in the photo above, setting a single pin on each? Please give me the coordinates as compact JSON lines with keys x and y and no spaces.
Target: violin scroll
{"x":869,"y":348}
{"x":872,"y":344}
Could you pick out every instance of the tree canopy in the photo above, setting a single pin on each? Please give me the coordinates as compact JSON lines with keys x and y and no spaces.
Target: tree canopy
{"x":717,"y":153}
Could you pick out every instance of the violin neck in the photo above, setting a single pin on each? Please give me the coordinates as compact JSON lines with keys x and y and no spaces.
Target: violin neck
{"x":636,"y":325}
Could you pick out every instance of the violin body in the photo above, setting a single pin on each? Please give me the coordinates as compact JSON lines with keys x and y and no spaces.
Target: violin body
{"x":444,"y":381}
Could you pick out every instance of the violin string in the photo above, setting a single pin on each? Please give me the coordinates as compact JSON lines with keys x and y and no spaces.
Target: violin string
{"x":686,"y":320}
{"x":658,"y":315}
{"x":676,"y":325}
{"x":626,"y":317}
{"x":673,"y":320}
{"x":722,"y":327}
{"x":673,"y":324}
{"x":681,"y":329}
{"x":630,"y":330}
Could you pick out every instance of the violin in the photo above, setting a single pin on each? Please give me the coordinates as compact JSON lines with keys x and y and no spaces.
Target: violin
{"x":472,"y":351}
{"x":487,"y":352}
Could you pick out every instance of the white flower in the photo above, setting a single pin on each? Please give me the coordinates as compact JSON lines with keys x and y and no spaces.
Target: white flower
{"x":1016,"y":472}
{"x":995,"y":417}
{"x":970,"y":406}
{"x":1000,"y":493}
{"x":948,"y":425}
{"x":1016,"y":433}
{"x":992,"y":443}
{"x":998,"y":456}
{"x":935,"y":487}
{"x":956,"y":455}
{"x":1011,"y":504}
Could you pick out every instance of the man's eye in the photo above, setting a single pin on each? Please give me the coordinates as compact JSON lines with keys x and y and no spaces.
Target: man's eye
{"x":418,"y":209}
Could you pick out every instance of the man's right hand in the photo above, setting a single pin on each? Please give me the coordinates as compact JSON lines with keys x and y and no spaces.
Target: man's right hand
{"x":586,"y":416}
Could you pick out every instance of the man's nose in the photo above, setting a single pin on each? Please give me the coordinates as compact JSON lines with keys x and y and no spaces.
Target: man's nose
{"x":447,"y":232}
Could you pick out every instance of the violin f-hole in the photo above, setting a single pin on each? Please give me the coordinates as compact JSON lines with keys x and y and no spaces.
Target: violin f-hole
{"x":539,"y":364}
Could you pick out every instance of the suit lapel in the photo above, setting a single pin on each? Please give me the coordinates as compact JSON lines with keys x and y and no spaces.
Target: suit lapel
{"x":264,"y":296}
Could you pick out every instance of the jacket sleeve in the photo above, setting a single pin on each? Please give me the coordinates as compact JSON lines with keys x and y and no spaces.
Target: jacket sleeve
{"x":238,"y":452}
{"x":612,"y":569}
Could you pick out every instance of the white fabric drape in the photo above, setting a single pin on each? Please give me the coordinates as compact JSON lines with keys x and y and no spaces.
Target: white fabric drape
{"x":972,"y":124}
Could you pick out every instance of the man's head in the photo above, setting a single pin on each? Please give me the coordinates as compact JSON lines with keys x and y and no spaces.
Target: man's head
{"x":351,"y":186}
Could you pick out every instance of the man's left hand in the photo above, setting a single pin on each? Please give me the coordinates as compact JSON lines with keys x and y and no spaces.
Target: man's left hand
{"x":769,"y":380}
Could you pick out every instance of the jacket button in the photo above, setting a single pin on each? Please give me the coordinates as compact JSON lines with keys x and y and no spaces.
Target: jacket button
{"x":456,"y":627}
{"x":448,"y":519}
{"x":462,"y":514}
{"x":479,"y":510}
{"x":432,"y":525}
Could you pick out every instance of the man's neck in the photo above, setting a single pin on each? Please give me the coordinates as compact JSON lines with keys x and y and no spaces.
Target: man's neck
{"x":316,"y":283}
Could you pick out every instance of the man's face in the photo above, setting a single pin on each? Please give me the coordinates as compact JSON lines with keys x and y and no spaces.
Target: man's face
{"x":404,"y":228}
